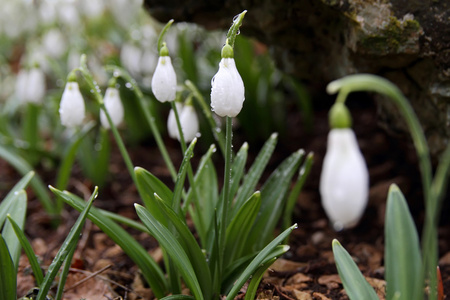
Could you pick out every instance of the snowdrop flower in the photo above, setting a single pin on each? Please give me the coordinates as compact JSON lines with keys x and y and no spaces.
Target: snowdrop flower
{"x":188,"y":121}
{"x":344,"y":182}
{"x":227,"y":87}
{"x":30,"y":85}
{"x":71,"y":108}
{"x":164,"y":81}
{"x":114,"y":107}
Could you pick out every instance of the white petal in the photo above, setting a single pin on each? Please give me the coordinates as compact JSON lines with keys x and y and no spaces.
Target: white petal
{"x":227,"y":91}
{"x":21,"y":85}
{"x":114,"y":107}
{"x":344,"y":182}
{"x":164,"y":81}
{"x":189,"y":123}
{"x":172,"y":127}
{"x":36,"y":86}
{"x":71,"y":108}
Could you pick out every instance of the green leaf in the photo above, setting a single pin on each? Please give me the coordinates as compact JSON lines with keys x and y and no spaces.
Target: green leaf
{"x":8,"y":277}
{"x":254,"y":174}
{"x":24,"y":168}
{"x":256,"y":279}
{"x":272,"y":250}
{"x":239,"y":228}
{"x":149,"y":184}
{"x":17,"y":211}
{"x":170,"y":244}
{"x":273,"y":199}
{"x":12,"y":195}
{"x":178,"y":297}
{"x":150,"y":269}
{"x":237,"y":169}
{"x":37,"y":271}
{"x":191,"y":247}
{"x":402,"y":250}
{"x":355,"y":284}
{"x":69,"y":243}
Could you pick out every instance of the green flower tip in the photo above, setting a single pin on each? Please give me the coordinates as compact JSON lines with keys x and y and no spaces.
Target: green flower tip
{"x":227,"y":51}
{"x":112,"y":82}
{"x":164,"y":51}
{"x":340,"y":116}
{"x":72,"y":77}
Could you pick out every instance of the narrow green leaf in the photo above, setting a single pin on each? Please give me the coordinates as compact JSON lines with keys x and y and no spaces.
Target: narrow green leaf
{"x":69,"y":243}
{"x":150,"y":269}
{"x":402,"y":250}
{"x":179,"y":184}
{"x":263,"y":256}
{"x":355,"y":284}
{"x":8,"y":277}
{"x":36,"y":182}
{"x":148,"y":185}
{"x":65,"y":272}
{"x":237,"y":169}
{"x":256,"y":279}
{"x":173,"y":248}
{"x":239,"y":228}
{"x":17,"y":211}
{"x":12,"y":196}
{"x":178,"y":297}
{"x":273,"y":199}
{"x":191,"y":247}
{"x":37,"y":271}
{"x":254,"y":174}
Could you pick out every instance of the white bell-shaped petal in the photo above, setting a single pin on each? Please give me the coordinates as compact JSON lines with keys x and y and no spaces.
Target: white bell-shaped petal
{"x":344,"y":182}
{"x":114,"y":107}
{"x":21,"y":85}
{"x":35,"y":90}
{"x":71,"y":108}
{"x":227,"y":91}
{"x":188,"y":121}
{"x":172,"y":127}
{"x":164,"y":81}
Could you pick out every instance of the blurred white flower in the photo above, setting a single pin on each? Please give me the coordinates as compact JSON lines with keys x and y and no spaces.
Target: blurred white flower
{"x":54,"y":43}
{"x":227,"y":91}
{"x":164,"y":81}
{"x":188,"y":121}
{"x":344,"y":182}
{"x":30,"y":86}
{"x":72,"y":108}
{"x":130,"y":56}
{"x":68,"y":13}
{"x":92,"y":8}
{"x":114,"y":106}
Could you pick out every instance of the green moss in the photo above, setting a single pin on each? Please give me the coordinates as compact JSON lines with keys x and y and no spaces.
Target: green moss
{"x":392,"y":37}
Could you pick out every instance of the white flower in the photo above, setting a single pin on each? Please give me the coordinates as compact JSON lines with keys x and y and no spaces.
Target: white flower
{"x":114,"y":107}
{"x":344,"y":182}
{"x":30,"y":86}
{"x":71,"y":108}
{"x":164,"y":81}
{"x":227,"y":91}
{"x":188,"y":120}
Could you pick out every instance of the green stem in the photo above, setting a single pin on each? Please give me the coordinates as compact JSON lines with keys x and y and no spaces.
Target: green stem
{"x":234,"y":29}
{"x":163,"y":34}
{"x":366,"y":82}
{"x":215,"y":128}
{"x":119,"y":72}
{"x":226,"y":190}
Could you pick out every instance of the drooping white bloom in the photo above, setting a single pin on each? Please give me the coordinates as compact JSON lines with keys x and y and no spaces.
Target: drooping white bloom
{"x":188,"y":121}
{"x":114,"y":107}
{"x":30,"y":86}
{"x":227,"y":91}
{"x":164,"y":81}
{"x":344,"y":182}
{"x":71,"y":109}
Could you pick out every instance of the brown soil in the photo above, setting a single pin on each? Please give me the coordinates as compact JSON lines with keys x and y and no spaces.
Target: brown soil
{"x":306,"y":272}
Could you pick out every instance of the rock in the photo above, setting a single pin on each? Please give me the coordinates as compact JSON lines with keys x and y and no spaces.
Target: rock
{"x":406,"y":41}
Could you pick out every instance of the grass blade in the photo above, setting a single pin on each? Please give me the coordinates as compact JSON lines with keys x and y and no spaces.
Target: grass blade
{"x":256,"y":279}
{"x":170,"y":244}
{"x":17,"y":211}
{"x":69,"y":243}
{"x":237,"y":170}
{"x":402,"y":249}
{"x":355,"y":284}
{"x":37,"y":271}
{"x":150,"y":269}
{"x":8,"y":279}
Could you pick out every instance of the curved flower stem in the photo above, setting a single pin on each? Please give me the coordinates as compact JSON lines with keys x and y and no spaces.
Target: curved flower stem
{"x":163,"y":34}
{"x":234,"y":29}
{"x":119,"y":72}
{"x":217,"y":133}
{"x":96,"y":92}
{"x":367,"y":82}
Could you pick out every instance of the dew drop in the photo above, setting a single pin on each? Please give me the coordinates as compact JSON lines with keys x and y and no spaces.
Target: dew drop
{"x":92,"y":91}
{"x":218,"y":130}
{"x":128,"y":85}
{"x":116,"y":74}
{"x":235,"y":18}
{"x":198,"y":135}
{"x":238,"y":32}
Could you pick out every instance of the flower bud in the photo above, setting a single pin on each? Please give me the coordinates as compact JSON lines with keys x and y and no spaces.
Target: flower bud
{"x":227,"y":89}
{"x":114,"y":107}
{"x":344,"y":182}
{"x":172,"y":127}
{"x":30,"y":86}
{"x":164,"y":81}
{"x":188,"y":121}
{"x":71,"y":108}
